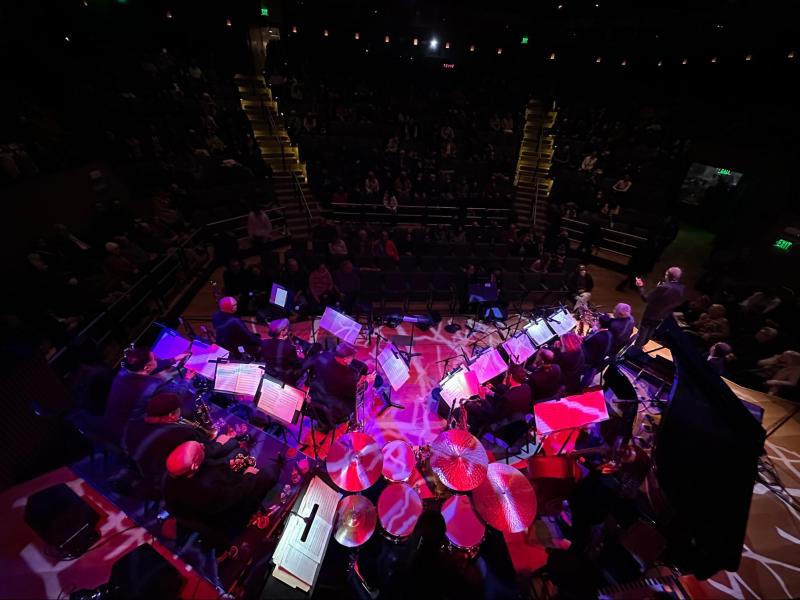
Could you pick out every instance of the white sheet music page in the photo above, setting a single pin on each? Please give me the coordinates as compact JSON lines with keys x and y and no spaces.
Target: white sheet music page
{"x":340,"y":325}
{"x":249,"y":379}
{"x":279,"y":401}
{"x":202,"y":355}
{"x":394,"y":366}
{"x":462,"y":384}
{"x":226,"y":377}
{"x":519,"y":348}
{"x":539,"y":332}
{"x":488,"y":365}
{"x":562,"y":322}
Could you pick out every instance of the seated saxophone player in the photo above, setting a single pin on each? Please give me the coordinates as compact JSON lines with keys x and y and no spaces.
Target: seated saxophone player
{"x":149,"y":440}
{"x":223,"y":496}
{"x":283,"y":359}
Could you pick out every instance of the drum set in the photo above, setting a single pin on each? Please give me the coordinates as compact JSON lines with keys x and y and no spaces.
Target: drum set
{"x":453,"y":474}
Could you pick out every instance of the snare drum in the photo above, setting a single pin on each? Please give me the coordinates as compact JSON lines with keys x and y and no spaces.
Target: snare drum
{"x":399,"y":508}
{"x":465,"y":531}
{"x":398,"y":461}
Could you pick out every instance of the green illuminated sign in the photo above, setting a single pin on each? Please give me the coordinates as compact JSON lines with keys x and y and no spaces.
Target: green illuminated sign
{"x":782,"y":244}
{"x":264,"y":12}
{"x":524,"y":40}
{"x":723,"y":171}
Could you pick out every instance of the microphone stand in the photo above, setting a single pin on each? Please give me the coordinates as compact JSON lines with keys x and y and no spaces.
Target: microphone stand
{"x":446,"y":361}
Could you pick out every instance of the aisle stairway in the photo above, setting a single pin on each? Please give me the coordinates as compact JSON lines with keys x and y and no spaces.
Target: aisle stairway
{"x":278,"y":151}
{"x":532,"y":181}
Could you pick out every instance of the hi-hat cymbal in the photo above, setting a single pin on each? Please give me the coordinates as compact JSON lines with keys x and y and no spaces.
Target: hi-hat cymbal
{"x":354,"y":461}
{"x":459,"y":460}
{"x":505,"y":500}
{"x":355,"y":521}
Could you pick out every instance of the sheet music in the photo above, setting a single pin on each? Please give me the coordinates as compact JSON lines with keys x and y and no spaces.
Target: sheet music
{"x":340,"y":325}
{"x":298,"y":562}
{"x":570,"y":412}
{"x":488,"y":365}
{"x":279,"y":401}
{"x":462,"y":384}
{"x":242,"y":379}
{"x":519,"y":348}
{"x":562,"y":322}
{"x":539,"y":332}
{"x":170,"y":343}
{"x":202,"y":356}
{"x":393,"y":366}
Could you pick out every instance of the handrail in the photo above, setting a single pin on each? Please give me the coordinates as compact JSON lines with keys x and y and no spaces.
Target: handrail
{"x":616,"y":231}
{"x":302,"y":202}
{"x":409,"y":206}
{"x":267,"y":115}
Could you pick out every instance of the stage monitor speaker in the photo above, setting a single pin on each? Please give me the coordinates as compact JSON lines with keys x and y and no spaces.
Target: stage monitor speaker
{"x":63,"y":520}
{"x":144,"y":574}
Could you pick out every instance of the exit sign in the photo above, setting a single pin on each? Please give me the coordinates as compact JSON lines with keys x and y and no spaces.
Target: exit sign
{"x":723,"y":171}
{"x":782,"y":244}
{"x":264,"y":12}
{"x":524,"y":40}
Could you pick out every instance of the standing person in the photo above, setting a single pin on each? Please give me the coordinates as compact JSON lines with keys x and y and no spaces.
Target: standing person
{"x":661,"y":301}
{"x":259,"y":226}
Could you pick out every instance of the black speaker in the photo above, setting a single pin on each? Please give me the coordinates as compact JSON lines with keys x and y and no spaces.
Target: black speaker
{"x":144,"y":574}
{"x":63,"y":520}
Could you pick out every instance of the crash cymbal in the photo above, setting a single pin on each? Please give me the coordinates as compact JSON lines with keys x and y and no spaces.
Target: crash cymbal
{"x":354,"y":461}
{"x":355,"y":521}
{"x":459,"y":460}
{"x":505,"y":500}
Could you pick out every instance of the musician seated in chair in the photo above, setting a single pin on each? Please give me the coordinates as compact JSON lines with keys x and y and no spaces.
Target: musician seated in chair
{"x":150,"y":439}
{"x":232,"y":333}
{"x":283,"y":361}
{"x":215,"y":494}
{"x":130,"y":390}
{"x":333,"y":384}
{"x":545,"y":380}
{"x":511,"y":401}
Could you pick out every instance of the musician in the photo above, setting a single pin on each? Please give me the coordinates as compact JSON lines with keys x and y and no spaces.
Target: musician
{"x":569,"y":357}
{"x":596,"y":347}
{"x":510,"y":401}
{"x":149,"y":440}
{"x":621,"y":327}
{"x":210,"y":492}
{"x":133,"y":385}
{"x":661,"y":301}
{"x":333,"y":384}
{"x":232,"y":333}
{"x":283,"y":361}
{"x":545,"y":380}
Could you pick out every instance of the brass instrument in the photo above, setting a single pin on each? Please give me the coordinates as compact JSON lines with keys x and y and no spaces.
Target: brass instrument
{"x":201,"y":417}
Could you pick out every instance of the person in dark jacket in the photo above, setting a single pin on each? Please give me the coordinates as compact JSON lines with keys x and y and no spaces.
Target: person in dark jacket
{"x":661,"y":302}
{"x":150,"y":439}
{"x":621,"y":327}
{"x":569,"y":357}
{"x":211,"y":492}
{"x":333,"y":384}
{"x":596,"y":347}
{"x":280,"y":354}
{"x":545,"y":381}
{"x":232,"y":333}
{"x":132,"y":387}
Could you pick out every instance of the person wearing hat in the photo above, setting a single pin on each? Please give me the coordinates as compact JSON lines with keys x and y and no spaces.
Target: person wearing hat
{"x":232,"y":333}
{"x":279,"y":353}
{"x":212,"y":493}
{"x":333,"y":383}
{"x":149,"y":440}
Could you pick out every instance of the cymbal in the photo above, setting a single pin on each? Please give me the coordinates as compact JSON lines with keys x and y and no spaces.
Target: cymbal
{"x":356,"y":518}
{"x":354,"y":461}
{"x":459,"y":460}
{"x":506,"y":499}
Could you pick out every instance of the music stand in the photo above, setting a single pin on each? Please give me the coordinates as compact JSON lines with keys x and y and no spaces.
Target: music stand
{"x":395,"y":368}
{"x":482,"y":296}
{"x":340,"y":325}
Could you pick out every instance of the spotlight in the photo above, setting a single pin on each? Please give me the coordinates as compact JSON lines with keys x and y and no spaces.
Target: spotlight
{"x":433,"y":43}
{"x":228,"y":23}
{"x":660,"y":63}
{"x":624,"y":62}
{"x":598,"y":60}
{"x":386,"y":39}
{"x":169,"y":15}
{"x":472,"y":47}
{"x":416,"y":41}
{"x":447,"y":45}
{"x":358,"y":36}
{"x":294,"y":28}
{"x":749,"y":57}
{"x":66,"y":38}
{"x":552,"y":56}
{"x":713,"y":60}
{"x":684,"y":61}
{"x":791,"y":55}
{"x":499,"y":50}
{"x":325,"y":33}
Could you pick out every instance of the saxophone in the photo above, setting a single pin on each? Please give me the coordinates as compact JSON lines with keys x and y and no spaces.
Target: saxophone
{"x":201,"y":417}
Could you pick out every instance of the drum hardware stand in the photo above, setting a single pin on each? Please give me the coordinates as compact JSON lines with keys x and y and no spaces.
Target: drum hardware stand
{"x":352,"y":566}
